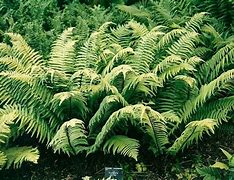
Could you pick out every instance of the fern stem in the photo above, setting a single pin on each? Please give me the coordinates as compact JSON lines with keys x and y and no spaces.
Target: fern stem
{"x":69,"y":141}
{"x":155,"y":134}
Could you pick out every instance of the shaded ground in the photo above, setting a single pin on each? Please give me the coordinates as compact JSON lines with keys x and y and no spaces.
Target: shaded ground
{"x":52,"y":166}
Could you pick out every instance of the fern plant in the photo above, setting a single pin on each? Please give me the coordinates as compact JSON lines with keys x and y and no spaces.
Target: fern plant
{"x":152,"y":81}
{"x":126,"y":86}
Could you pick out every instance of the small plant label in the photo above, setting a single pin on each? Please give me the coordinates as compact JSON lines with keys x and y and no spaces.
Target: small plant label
{"x":114,"y":173}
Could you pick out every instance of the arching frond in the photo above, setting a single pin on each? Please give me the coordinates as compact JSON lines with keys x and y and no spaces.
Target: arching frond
{"x":24,"y":52}
{"x":134,"y":11}
{"x":143,"y":84}
{"x":205,"y":93}
{"x":172,"y":71}
{"x":222,"y":59}
{"x":216,"y":109}
{"x":122,"y":145}
{"x":17,"y":155}
{"x":119,"y":55}
{"x":85,"y":77}
{"x":108,"y":105}
{"x":185,"y":45}
{"x":71,"y":138}
{"x":7,"y":118}
{"x":193,"y":132}
{"x":145,"y":52}
{"x":63,"y":53}
{"x":3,"y":160}
{"x":194,"y":24}
{"x":150,"y":120}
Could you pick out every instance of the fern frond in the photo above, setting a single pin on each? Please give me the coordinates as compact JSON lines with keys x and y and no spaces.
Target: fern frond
{"x":205,"y":93}
{"x":3,"y":160}
{"x":119,"y":55}
{"x":157,"y":130}
{"x":167,"y":62}
{"x":189,"y":80}
{"x":194,"y":24}
{"x":151,"y":121}
{"x":7,"y":118}
{"x":144,"y":83}
{"x":71,"y":137}
{"x":193,"y":132}
{"x":209,"y":172}
{"x":63,"y":53}
{"x":216,"y":109}
{"x":108,"y":105}
{"x":185,"y":45}
{"x":169,"y":37}
{"x":145,"y":52}
{"x":122,"y":145}
{"x":172,"y":71}
{"x":219,"y":61}
{"x":24,"y":52}
{"x":17,"y":155}
{"x":85,"y":77}
{"x":134,"y":11}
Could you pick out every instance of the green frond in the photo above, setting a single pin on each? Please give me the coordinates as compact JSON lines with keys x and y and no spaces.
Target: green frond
{"x":85,"y":77}
{"x":7,"y":118}
{"x":108,"y":105}
{"x":209,"y":172}
{"x":167,"y":62}
{"x":193,"y":132}
{"x":145,"y":52}
{"x":222,"y":59}
{"x":17,"y":155}
{"x":157,"y":130}
{"x":121,"y":35}
{"x":64,"y":96}
{"x":13,"y":64}
{"x":216,"y":109}
{"x":194,"y":24}
{"x":72,"y":102}
{"x":189,"y":80}
{"x":227,"y":154}
{"x":138,"y":30}
{"x":15,"y":76}
{"x":151,"y":122}
{"x":63,"y":53}
{"x":34,"y":123}
{"x":121,"y":54}
{"x":71,"y":137}
{"x":3,"y":160}
{"x":134,"y":11}
{"x":173,"y":95}
{"x":172,"y":71}
{"x":206,"y":91}
{"x":88,"y":54}
{"x":185,"y":45}
{"x":123,"y":70}
{"x":144,"y":84}
{"x":122,"y":145}
{"x":24,"y":52}
{"x":172,"y":120}
{"x":168,"y":38}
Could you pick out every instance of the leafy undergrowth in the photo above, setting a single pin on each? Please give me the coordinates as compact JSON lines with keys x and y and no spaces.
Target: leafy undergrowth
{"x":52,"y":166}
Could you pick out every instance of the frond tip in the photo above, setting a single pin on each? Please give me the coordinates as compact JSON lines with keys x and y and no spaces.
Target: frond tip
{"x":193,"y":132}
{"x":122,"y":145}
